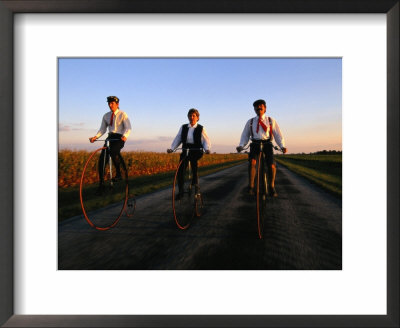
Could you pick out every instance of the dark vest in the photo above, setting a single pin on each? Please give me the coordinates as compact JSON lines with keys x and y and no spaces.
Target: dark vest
{"x":196,"y":135}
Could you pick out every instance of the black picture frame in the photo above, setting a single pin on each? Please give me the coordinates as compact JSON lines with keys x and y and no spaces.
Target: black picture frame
{"x":10,"y":7}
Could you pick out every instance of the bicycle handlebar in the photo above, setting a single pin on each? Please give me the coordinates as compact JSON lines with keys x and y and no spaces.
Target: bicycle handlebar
{"x":202,"y":149}
{"x":244,"y":148}
{"x":107,"y":139}
{"x":278,"y":149}
{"x":247,"y":147}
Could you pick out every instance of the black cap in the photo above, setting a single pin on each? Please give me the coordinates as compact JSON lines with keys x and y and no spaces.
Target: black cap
{"x":259,"y":101}
{"x":112,"y":98}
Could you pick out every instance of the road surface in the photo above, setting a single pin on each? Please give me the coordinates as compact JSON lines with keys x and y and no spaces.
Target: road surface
{"x":302,"y":232}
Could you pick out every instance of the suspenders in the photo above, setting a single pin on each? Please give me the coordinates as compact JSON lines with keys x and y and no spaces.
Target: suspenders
{"x":271,"y":136}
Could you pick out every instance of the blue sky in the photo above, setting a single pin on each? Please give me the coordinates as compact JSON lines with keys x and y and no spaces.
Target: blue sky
{"x":304,"y":95}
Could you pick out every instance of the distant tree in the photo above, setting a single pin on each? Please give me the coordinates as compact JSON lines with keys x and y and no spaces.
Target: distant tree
{"x":327,"y":152}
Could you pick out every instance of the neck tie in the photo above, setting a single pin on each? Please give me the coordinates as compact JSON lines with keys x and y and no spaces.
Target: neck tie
{"x":112,"y":118}
{"x":262,"y":125}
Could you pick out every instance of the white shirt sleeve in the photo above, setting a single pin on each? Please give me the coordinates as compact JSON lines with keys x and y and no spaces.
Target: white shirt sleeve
{"x":177,"y":141}
{"x":127,"y":126}
{"x":245,"y":137}
{"x":205,"y":140}
{"x":103,"y":127}
{"x":276,"y":131}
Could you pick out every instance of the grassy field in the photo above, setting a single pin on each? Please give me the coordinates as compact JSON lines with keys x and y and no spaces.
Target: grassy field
{"x":323,"y":170}
{"x":147,"y":172}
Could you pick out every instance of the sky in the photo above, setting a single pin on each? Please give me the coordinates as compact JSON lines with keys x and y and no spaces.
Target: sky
{"x":304,"y":96}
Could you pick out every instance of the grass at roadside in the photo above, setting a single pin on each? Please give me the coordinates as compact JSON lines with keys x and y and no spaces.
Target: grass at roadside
{"x":323,"y":170}
{"x":68,"y":198}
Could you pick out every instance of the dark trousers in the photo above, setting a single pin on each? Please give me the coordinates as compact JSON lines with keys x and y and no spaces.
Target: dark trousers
{"x":194,"y":156}
{"x":115,"y":148}
{"x":267,"y":150}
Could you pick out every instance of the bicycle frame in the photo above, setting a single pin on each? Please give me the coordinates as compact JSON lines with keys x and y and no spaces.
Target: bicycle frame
{"x":107,"y":156}
{"x":185,"y":151}
{"x":264,"y":168}
{"x":262,"y":182}
{"x":261,"y":191}
{"x":181,"y":216}
{"x":186,"y":158}
{"x":263,"y":158}
{"x":264,"y":171}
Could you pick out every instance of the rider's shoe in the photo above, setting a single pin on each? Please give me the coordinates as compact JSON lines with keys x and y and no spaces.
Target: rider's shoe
{"x":250,"y":191}
{"x":272,"y":192}
{"x":178,"y":196}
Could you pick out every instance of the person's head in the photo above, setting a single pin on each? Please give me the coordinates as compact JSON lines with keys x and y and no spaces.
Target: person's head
{"x":260,"y":107}
{"x":113,"y":103}
{"x":193,"y":116}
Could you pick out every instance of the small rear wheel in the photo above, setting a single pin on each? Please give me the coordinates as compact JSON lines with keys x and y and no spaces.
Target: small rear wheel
{"x":198,"y":204}
{"x":130,"y":206}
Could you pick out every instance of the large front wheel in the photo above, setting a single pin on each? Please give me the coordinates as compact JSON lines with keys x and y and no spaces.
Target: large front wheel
{"x":183,"y":200}
{"x":261,"y":195}
{"x":103,"y":200}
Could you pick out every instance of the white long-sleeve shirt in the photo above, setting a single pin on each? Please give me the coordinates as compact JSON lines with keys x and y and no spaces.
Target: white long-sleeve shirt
{"x":261,"y":134}
{"x":205,"y":141}
{"x":120,"y":124}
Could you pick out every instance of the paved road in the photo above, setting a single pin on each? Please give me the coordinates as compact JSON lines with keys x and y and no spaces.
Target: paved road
{"x":303,"y":231}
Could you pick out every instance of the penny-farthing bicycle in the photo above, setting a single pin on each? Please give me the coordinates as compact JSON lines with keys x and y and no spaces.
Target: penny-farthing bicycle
{"x":186,"y":202}
{"x":104,"y":203}
{"x":261,"y":185}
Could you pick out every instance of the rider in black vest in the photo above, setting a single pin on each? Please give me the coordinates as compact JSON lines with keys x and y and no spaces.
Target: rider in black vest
{"x":194,"y":155}
{"x":192,"y":136}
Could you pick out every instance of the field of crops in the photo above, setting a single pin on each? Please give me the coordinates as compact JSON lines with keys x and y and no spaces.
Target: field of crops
{"x":70,"y":164}
{"x":323,"y":170}
{"x":148,"y":172}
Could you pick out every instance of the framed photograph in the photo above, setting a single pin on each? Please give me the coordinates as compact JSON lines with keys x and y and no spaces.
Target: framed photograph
{"x":35,"y":36}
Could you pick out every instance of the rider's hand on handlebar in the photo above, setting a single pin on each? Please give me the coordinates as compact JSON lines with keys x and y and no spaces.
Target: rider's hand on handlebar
{"x":207,"y":151}
{"x":284,"y":150}
{"x":92,"y":139}
{"x":239,"y":149}
{"x":169,"y":151}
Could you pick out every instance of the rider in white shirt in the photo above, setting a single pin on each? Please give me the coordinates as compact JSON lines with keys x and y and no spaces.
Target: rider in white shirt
{"x":119,"y":128}
{"x":265,"y":129}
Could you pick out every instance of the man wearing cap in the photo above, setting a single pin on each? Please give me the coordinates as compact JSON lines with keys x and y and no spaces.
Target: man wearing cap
{"x":119,"y":128}
{"x":262,"y":128}
{"x":192,"y":135}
